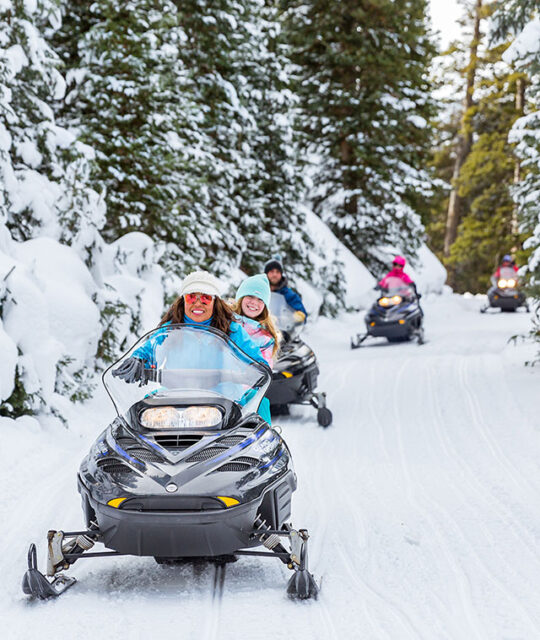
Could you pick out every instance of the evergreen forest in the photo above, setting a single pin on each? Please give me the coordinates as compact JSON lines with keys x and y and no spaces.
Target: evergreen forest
{"x":203,"y":132}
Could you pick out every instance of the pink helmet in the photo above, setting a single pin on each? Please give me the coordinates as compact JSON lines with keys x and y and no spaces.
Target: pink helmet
{"x":399,"y":260}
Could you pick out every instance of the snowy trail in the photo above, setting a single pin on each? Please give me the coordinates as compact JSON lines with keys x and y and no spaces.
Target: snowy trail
{"x":421,"y":501}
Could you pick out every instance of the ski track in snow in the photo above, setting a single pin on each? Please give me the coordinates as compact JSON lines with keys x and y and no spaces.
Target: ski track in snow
{"x":421,"y":502}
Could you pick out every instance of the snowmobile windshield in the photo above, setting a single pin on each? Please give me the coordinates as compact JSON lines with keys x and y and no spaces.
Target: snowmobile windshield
{"x":184,"y":361}
{"x":507,"y":279}
{"x":508,"y":273}
{"x":283,"y":313}
{"x":396,"y":287}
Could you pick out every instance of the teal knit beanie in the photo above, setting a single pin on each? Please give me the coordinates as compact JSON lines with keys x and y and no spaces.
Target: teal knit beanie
{"x":256,"y":286}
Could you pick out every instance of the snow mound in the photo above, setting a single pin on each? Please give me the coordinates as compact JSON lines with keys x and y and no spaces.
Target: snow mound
{"x":358,"y":281}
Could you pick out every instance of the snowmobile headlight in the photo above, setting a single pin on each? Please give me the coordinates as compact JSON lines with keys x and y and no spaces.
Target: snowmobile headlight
{"x":384,"y":302}
{"x":396,"y":299}
{"x":173,"y":418}
{"x":201,"y":417}
{"x":160,"y":418}
{"x":502,"y":284}
{"x":511,"y":283}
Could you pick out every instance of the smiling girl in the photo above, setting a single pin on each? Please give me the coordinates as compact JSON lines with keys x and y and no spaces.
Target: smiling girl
{"x":251,"y":309}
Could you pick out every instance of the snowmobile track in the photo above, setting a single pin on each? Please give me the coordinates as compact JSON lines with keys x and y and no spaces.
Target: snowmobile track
{"x":212,"y":627}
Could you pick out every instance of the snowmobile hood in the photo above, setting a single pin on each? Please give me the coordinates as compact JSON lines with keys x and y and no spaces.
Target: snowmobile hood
{"x":181,"y":467}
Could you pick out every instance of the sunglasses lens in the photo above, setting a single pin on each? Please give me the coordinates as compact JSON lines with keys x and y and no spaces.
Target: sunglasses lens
{"x":191,"y":298}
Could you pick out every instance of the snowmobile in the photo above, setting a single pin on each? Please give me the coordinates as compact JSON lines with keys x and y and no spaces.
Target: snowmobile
{"x":187,"y":470}
{"x":505,"y":293}
{"x":294,"y":378}
{"x":396,"y":315}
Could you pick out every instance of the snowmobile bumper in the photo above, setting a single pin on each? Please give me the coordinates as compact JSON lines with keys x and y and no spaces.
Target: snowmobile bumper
{"x":506,"y":302}
{"x":134,"y":528}
{"x":379,"y":328}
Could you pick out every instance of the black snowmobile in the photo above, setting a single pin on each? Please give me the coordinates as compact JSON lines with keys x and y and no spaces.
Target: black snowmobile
{"x":294,"y":378}
{"x":396,"y":315}
{"x":505,"y":293}
{"x":187,"y":470}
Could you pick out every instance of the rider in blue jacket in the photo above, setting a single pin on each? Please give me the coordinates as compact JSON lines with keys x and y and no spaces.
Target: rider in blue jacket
{"x":278,"y":284}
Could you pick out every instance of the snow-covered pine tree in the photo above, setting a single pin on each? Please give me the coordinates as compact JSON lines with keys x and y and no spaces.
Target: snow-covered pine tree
{"x":521,"y":19}
{"x":366,"y":106}
{"x":44,"y":191}
{"x":125,"y":98}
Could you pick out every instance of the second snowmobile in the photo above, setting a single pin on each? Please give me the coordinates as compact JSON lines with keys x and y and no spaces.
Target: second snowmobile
{"x":505,"y":294}
{"x":295,"y":373}
{"x":187,"y":470}
{"x":396,"y":315}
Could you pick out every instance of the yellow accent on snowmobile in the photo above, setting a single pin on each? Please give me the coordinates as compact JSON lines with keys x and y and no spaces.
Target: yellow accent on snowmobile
{"x":228,"y":502}
{"x":116,"y":502}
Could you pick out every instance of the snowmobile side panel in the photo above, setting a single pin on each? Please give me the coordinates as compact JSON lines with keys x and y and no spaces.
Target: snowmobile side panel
{"x":294,"y":389}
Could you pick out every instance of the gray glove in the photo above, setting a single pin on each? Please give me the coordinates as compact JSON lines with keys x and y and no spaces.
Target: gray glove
{"x":131,"y":370}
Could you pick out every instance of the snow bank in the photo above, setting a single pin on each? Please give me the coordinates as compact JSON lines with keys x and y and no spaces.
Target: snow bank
{"x":133,"y":275}
{"x":429,"y":275}
{"x":54,"y":312}
{"x":358,"y":281}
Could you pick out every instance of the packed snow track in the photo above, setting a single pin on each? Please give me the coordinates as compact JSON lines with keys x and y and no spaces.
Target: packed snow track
{"x":422,"y":501}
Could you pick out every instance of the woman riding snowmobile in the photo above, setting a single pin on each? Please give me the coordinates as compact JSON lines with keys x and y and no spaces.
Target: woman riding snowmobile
{"x":198,"y":304}
{"x":396,"y":315}
{"x":187,"y":470}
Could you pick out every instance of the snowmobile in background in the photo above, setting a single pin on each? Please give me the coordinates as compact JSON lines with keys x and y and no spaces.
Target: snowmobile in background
{"x":294,"y":378}
{"x":505,"y":293}
{"x":396,"y":315}
{"x":186,"y":471}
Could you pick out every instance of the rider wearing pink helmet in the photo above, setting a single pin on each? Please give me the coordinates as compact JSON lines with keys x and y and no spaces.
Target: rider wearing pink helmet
{"x":396,"y":272}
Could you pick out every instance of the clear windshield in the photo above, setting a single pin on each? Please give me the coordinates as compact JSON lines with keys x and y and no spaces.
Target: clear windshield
{"x":508,"y":273}
{"x":396,"y":287}
{"x":282,"y":312}
{"x":180,"y":359}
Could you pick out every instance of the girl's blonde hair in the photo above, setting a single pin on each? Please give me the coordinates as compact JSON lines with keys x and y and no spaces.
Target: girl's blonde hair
{"x":265,"y":319}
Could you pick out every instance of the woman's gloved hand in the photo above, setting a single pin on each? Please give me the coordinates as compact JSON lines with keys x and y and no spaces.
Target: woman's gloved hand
{"x":131,"y":370}
{"x":299,"y":316}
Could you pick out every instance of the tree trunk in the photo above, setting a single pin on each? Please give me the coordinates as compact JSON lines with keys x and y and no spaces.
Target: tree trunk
{"x":520,"y":100}
{"x":464,"y":142}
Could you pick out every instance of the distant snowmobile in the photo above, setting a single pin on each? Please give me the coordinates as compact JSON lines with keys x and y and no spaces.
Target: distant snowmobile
{"x":505,"y":293}
{"x":396,"y":315}
{"x":294,"y":378}
{"x":187,"y":470}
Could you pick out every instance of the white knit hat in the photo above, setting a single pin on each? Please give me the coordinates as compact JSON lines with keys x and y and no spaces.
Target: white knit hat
{"x":200,"y":282}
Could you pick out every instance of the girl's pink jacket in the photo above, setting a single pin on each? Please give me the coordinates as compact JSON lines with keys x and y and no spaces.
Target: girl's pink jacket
{"x":395,"y":273}
{"x":262,"y":338}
